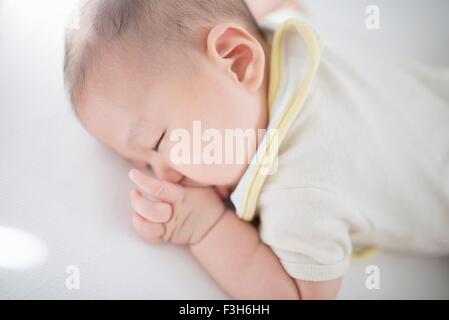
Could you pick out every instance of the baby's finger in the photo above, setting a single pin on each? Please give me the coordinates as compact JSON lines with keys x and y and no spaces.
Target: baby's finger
{"x":157,"y":212}
{"x":162,"y":190}
{"x":150,"y":232}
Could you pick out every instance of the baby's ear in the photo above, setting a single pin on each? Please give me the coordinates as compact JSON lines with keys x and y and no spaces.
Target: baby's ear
{"x":235,"y":50}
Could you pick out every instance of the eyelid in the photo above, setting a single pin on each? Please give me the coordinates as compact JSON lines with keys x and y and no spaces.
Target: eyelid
{"x":156,"y":148}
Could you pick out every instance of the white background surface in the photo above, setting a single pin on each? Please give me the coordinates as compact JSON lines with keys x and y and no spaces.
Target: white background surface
{"x":69,"y":196}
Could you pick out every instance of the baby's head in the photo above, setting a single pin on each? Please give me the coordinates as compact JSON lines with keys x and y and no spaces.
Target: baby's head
{"x":137,"y":70}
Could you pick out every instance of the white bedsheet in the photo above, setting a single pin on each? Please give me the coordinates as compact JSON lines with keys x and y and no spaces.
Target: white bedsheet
{"x":64,"y":197}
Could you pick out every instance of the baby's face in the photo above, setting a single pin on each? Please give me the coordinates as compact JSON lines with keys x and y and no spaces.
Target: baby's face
{"x":135,"y":113}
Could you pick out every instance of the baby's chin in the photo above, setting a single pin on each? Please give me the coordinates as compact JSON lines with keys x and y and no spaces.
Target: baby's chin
{"x":222,"y":190}
{"x":186,"y":182}
{"x":222,"y":175}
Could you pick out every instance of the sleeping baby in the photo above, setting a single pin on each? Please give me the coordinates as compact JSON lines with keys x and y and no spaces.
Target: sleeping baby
{"x":335,"y":148}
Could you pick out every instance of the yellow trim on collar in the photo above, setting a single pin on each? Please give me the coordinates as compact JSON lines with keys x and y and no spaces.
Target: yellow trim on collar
{"x":364,"y":254}
{"x":293,"y":109}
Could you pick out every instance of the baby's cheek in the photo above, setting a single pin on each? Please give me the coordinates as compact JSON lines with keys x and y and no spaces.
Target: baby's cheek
{"x":215,"y":174}
{"x":206,"y":170}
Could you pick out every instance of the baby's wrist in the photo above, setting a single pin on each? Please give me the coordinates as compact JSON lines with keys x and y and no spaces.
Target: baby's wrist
{"x":223,"y":213}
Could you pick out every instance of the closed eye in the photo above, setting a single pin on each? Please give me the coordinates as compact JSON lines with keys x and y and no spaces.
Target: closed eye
{"x":156,"y":148}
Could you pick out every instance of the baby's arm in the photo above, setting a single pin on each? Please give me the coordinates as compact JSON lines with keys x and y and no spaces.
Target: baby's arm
{"x":228,"y":248}
{"x":246,"y":268}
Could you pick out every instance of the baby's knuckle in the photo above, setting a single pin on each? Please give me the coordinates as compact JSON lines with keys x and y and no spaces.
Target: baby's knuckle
{"x":161,"y":189}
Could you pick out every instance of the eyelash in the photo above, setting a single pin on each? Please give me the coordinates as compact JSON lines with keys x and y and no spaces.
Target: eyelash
{"x":156,"y":148}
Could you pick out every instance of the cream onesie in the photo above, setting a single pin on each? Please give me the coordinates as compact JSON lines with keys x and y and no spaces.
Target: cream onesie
{"x":362,"y":155}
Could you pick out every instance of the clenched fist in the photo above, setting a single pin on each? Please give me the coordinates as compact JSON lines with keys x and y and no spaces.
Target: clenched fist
{"x":181,"y":215}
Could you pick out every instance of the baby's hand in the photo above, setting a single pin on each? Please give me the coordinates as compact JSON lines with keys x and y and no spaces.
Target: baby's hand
{"x":181,"y":215}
